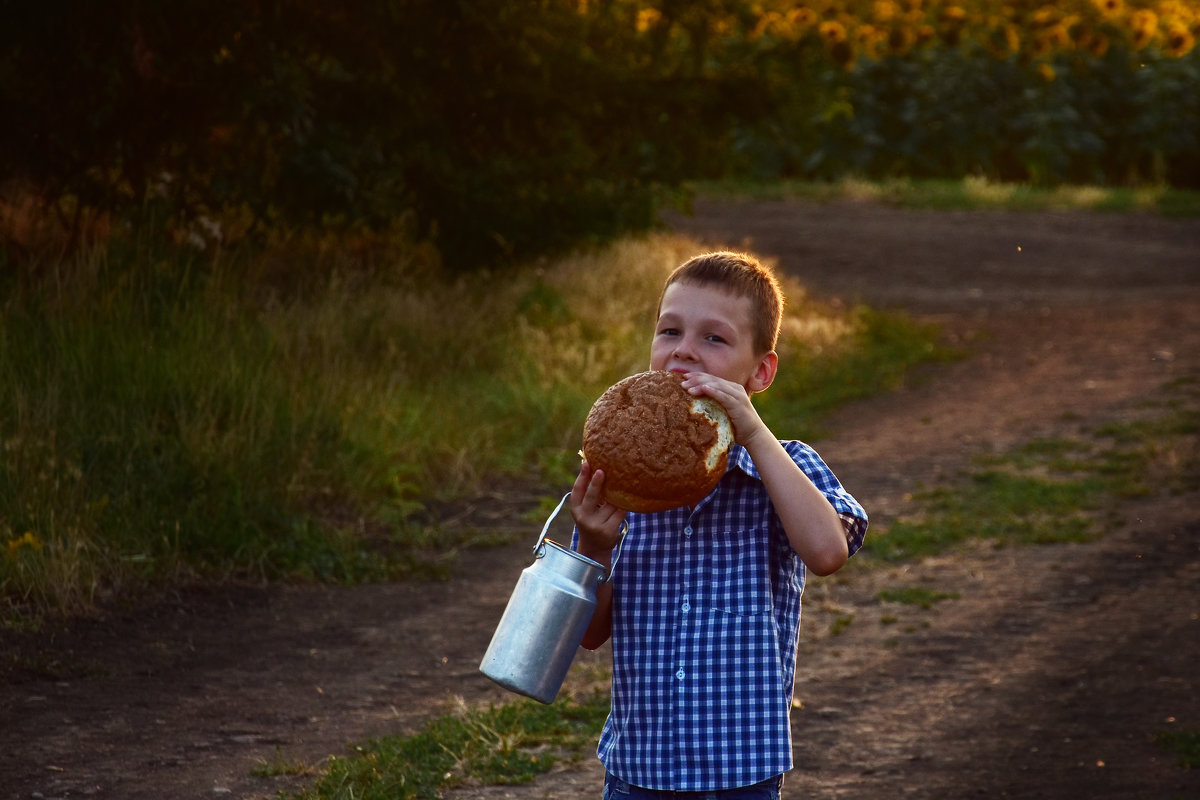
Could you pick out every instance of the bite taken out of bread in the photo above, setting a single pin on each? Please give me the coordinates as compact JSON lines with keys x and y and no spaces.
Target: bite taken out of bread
{"x":659,"y":446}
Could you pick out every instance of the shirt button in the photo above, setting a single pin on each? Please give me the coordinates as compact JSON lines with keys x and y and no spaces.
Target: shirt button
{"x":686,"y":606}
{"x":687,"y":531}
{"x":680,"y":674}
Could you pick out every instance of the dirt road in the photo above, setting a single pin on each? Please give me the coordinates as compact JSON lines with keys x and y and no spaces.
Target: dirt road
{"x":1049,"y":676}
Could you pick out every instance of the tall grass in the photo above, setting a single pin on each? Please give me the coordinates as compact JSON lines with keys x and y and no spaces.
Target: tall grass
{"x":163,"y":420}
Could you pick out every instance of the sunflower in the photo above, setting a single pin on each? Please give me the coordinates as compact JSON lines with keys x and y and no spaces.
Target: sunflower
{"x":953,"y":15}
{"x":1003,"y":39}
{"x":832,"y":31}
{"x":802,"y":17}
{"x":1144,"y":23}
{"x":1109,"y":8}
{"x":1179,"y":40}
{"x":647,"y":18}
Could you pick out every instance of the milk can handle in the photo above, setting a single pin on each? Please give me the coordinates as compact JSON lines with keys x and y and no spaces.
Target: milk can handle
{"x":616,"y":553}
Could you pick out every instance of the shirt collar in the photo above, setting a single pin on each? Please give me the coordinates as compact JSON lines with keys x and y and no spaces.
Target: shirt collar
{"x":739,"y":458}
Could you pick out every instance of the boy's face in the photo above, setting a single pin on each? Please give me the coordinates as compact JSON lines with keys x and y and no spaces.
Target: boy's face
{"x":707,"y":329}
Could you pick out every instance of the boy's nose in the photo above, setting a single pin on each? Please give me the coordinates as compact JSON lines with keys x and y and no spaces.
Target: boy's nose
{"x":684,"y":350}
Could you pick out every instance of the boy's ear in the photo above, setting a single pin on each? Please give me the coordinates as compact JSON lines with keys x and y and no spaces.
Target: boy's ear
{"x":764,"y":373}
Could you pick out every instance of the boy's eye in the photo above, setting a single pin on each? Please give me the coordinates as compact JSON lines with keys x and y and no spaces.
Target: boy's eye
{"x":668,"y":332}
{"x":715,"y":338}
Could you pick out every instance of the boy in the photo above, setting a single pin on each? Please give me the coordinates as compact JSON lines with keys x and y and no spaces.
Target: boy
{"x":704,"y":607}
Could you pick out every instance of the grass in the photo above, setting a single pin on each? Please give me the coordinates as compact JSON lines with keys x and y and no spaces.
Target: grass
{"x":505,"y":744}
{"x":915,"y":596}
{"x":970,"y":193}
{"x":1054,"y":489}
{"x":1184,"y":745}
{"x":164,"y":418}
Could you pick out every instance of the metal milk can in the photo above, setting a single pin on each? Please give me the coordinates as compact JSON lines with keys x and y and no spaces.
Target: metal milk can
{"x":546,"y":618}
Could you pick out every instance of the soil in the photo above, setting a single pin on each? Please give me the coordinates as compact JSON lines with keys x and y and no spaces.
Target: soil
{"x":1048,"y":676}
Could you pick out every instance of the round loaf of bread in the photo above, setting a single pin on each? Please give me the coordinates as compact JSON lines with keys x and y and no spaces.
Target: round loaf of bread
{"x":659,"y":446}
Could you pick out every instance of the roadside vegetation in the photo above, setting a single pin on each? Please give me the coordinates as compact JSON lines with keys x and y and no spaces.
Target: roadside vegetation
{"x":165,"y":419}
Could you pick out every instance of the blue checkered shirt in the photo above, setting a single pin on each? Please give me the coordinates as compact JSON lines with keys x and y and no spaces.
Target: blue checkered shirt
{"x":706,"y":617}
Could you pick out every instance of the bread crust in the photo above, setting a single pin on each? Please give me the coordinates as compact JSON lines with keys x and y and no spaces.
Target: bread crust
{"x":659,"y":446}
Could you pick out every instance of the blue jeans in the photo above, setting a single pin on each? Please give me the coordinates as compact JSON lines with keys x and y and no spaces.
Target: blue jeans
{"x":617,"y":789}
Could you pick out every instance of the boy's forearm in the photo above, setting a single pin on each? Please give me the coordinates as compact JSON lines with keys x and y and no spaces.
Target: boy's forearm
{"x":600,"y":627}
{"x":813,"y":527}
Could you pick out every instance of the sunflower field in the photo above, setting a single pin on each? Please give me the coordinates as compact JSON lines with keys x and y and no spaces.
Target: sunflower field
{"x":499,"y":130}
{"x":1101,"y":91}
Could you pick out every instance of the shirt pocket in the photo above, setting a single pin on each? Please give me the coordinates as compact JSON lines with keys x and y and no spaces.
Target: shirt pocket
{"x":740,"y":577}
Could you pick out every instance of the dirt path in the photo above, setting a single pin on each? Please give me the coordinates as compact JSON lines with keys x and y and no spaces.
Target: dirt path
{"x":1047,"y":677}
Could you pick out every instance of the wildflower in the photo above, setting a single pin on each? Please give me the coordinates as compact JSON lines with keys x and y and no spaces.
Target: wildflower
{"x":802,"y":17}
{"x":953,"y":14}
{"x":1045,"y":16}
{"x":1098,"y":45}
{"x":647,"y":18}
{"x":1058,"y":36}
{"x":1040,"y":46}
{"x":1180,"y":41}
{"x":1004,"y":40}
{"x":767,"y":23}
{"x":27,"y":540}
{"x":832,"y":31}
{"x":1047,"y":72}
{"x":1145,"y":24}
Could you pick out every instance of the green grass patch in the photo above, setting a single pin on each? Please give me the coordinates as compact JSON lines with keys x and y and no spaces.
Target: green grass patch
{"x":915,"y":596}
{"x":968,"y":193}
{"x":163,"y":418}
{"x":1184,"y":745}
{"x":1054,"y":489}
{"x":506,"y":744}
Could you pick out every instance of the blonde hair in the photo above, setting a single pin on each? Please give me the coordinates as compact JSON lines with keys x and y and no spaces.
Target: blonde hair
{"x":742,"y":275}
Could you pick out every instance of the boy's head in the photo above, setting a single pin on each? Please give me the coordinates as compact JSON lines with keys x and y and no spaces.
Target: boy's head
{"x":741,"y":275}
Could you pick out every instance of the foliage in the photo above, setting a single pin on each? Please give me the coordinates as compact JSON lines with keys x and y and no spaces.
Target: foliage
{"x":500,"y":130}
{"x":509,"y":743}
{"x":915,"y":596}
{"x":1083,"y":91}
{"x":1050,"y":490}
{"x":162,"y":419}
{"x":1183,"y":744}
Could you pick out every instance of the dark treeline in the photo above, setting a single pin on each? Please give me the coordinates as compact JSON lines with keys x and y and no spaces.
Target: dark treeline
{"x":504,"y":128}
{"x":497,"y":127}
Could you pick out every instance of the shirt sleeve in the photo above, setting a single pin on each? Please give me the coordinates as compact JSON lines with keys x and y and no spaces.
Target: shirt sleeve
{"x":852,"y":514}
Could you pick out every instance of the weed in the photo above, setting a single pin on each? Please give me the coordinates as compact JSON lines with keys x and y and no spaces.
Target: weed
{"x":1055,"y":489}
{"x":915,"y":596}
{"x":504,"y":744}
{"x":279,"y":765}
{"x":159,"y":419}
{"x":1184,"y":745}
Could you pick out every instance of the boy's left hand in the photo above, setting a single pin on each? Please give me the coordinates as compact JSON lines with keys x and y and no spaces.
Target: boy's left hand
{"x":733,"y":397}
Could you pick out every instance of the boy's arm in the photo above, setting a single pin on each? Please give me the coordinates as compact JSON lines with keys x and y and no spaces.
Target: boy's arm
{"x":598,"y":525}
{"x":813,"y":527}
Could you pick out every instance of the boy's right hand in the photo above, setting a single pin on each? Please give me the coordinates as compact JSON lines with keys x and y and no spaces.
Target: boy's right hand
{"x":598,"y":522}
